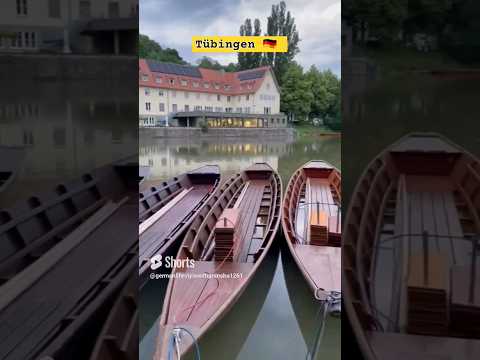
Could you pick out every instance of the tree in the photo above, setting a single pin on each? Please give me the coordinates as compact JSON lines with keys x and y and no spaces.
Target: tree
{"x":282,"y":23}
{"x":296,"y":92}
{"x":150,"y":49}
{"x":248,"y":60}
{"x":209,"y":63}
{"x":325,"y":87}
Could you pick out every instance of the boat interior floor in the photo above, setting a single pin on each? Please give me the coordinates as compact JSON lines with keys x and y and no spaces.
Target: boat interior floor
{"x":397,"y":346}
{"x":322,"y":264}
{"x":254,"y":204}
{"x":432,"y":205}
{"x":318,"y":192}
{"x":195,"y":300}
{"x":68,"y":285}
{"x":178,"y":209}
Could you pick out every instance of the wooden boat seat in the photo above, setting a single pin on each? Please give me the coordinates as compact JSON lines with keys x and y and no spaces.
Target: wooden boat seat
{"x":326,"y":263}
{"x":155,"y":235}
{"x":190,"y":291}
{"x":226,"y":233}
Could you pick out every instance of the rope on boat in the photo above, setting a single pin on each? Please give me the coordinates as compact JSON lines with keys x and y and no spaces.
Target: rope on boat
{"x":200,"y":302}
{"x":331,"y":304}
{"x":176,"y":339}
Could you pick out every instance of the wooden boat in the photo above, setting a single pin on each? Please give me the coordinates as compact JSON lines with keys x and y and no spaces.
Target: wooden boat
{"x":49,"y":241}
{"x":119,"y":336}
{"x":410,"y":274}
{"x":311,"y":221}
{"x":10,"y":164}
{"x":224,"y":247}
{"x":167,"y":209}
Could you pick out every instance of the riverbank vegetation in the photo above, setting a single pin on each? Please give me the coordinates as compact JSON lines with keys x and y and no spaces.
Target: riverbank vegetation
{"x":415,"y":34}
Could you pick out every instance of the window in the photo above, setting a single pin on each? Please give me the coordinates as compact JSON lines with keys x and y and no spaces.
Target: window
{"x":186,"y":94}
{"x":17,"y":40}
{"x":195,"y":84}
{"x":228,"y":98}
{"x":144,"y":77}
{"x":208,"y":108}
{"x":158,"y":80}
{"x":161,"y":107}
{"x":160,"y":92}
{"x":172,"y":81}
{"x":198,"y":108}
{"x":183,"y":82}
{"x":147,"y":91}
{"x":217,"y":86}
{"x":239,"y":110}
{"x":198,"y":95}
{"x":187,"y":108}
{"x":113,"y":9}
{"x":22,"y":7}
{"x":54,"y":9}
{"x":266,"y":110}
{"x":84,"y":9}
{"x":174,"y":94}
{"x":174,"y":107}
{"x":229,"y":109}
{"x":206,"y":85}
{"x":247,"y":97}
{"x":147,"y":106}
{"x":219,"y":97}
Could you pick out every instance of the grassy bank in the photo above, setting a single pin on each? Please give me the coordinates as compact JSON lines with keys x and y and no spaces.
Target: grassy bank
{"x":308,"y":131}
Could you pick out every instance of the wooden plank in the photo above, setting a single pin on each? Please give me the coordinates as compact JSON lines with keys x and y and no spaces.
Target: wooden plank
{"x":31,"y":274}
{"x":155,"y":217}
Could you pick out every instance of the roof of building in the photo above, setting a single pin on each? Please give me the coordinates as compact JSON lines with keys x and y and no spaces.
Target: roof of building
{"x":192,"y":78}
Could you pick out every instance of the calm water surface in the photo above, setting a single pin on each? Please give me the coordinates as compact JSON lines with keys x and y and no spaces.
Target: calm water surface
{"x":276,"y":317}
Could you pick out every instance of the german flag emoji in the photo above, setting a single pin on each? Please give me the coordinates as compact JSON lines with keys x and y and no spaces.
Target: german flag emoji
{"x":270,"y":43}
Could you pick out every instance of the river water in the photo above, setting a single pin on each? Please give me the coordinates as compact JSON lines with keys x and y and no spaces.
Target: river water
{"x":276,"y":317}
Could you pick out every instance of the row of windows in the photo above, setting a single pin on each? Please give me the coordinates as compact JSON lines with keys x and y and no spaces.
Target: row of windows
{"x":21,"y":40}
{"x":161,"y":108}
{"x":267,"y":97}
{"x":195,"y":84}
{"x":84,"y":8}
{"x":148,"y":91}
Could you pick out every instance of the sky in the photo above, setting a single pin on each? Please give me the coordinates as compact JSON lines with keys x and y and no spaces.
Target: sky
{"x":172,"y":23}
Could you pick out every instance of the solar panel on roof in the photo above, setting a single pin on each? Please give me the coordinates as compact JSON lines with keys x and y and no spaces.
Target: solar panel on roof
{"x":251,"y":75}
{"x":173,"y":69}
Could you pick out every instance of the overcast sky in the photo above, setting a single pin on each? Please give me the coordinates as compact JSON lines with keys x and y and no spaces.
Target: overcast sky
{"x":172,"y":23}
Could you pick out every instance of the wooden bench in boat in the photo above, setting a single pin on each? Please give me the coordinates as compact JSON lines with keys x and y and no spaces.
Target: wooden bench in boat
{"x":226,"y":232}
{"x":323,"y":219}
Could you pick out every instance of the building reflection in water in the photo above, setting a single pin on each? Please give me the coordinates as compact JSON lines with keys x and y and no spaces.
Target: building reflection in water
{"x":64,"y":131}
{"x":169,"y":157}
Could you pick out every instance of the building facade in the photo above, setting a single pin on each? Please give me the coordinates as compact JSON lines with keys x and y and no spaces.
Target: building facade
{"x":187,"y":96}
{"x":79,"y":26}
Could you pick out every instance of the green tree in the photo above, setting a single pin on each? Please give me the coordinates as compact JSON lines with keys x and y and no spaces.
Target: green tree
{"x":325,"y":87}
{"x":209,"y":63}
{"x":296,"y":92}
{"x":282,"y":23}
{"x":248,"y":60}
{"x":150,"y":49}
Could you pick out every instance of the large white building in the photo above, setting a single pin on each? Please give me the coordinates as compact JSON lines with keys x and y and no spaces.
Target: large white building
{"x":80,"y":26}
{"x":187,"y":96}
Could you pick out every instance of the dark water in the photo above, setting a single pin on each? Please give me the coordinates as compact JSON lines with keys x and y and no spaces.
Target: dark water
{"x":276,"y":317}
{"x":64,"y":129}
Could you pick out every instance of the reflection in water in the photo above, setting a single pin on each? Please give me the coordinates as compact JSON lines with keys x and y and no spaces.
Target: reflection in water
{"x":65,"y":130}
{"x":265,"y":323}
